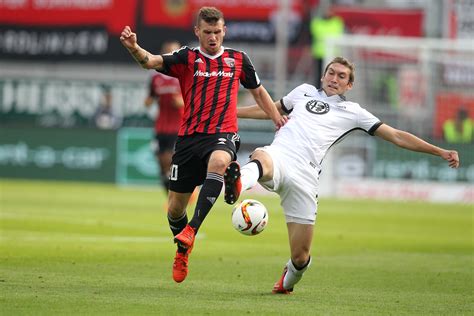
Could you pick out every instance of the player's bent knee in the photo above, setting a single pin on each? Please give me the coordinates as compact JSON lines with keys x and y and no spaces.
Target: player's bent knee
{"x":266,"y":163}
{"x":219,"y":163}
{"x":218,"y":166}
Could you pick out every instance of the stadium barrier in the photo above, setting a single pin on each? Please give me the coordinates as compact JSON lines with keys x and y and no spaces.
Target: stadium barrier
{"x":125,"y":157}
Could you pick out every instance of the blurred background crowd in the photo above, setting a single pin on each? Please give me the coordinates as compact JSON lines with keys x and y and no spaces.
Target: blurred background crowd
{"x":72,"y":99}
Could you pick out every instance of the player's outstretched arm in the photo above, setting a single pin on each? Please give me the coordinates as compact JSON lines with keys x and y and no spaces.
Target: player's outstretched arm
{"x":265,"y":102}
{"x":411,"y":142}
{"x":252,"y":112}
{"x":144,"y":58}
{"x":256,"y":112}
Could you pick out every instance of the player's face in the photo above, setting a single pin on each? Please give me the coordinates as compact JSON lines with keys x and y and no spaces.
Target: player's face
{"x":210,"y":36}
{"x":336,"y":80}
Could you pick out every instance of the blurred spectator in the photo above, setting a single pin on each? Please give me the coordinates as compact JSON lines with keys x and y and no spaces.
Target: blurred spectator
{"x":460,"y":129}
{"x":166,"y":91}
{"x":106,"y":117}
{"x":323,"y":25}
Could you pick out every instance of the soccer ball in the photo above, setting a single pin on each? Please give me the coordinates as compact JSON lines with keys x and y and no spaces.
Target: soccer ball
{"x":249,"y":217}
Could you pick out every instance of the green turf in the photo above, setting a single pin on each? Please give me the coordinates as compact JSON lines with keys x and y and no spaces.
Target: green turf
{"x":75,"y":248}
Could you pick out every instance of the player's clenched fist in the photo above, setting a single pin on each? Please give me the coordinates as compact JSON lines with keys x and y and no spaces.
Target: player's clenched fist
{"x":452,"y":157}
{"x":128,"y":38}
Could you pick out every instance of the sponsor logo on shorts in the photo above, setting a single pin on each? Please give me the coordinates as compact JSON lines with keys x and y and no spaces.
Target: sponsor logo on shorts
{"x":235,"y":138}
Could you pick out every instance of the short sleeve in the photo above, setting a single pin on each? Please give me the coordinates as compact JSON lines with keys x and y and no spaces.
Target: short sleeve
{"x":174,"y":62}
{"x":367,"y":121}
{"x":249,"y":78}
{"x":302,"y":91}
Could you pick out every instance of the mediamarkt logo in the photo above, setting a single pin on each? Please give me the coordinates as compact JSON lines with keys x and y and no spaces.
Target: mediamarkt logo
{"x":221,"y":73}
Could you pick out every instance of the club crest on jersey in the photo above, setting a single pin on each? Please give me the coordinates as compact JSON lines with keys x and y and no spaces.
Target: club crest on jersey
{"x":317,"y":107}
{"x":230,"y":62}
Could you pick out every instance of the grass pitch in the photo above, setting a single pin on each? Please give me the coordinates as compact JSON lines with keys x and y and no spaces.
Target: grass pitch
{"x":83,"y":248}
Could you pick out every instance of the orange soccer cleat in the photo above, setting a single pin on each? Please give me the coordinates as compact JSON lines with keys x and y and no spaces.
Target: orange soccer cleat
{"x":278,"y":287}
{"x":180,"y":267}
{"x":186,"y":238}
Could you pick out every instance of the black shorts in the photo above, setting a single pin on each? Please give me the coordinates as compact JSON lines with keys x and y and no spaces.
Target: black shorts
{"x":164,"y":142}
{"x":189,"y":164}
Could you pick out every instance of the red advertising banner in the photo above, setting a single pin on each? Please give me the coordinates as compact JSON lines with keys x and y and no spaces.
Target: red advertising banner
{"x":381,"y":22}
{"x":168,"y":13}
{"x":113,"y":14}
{"x":181,"y":13}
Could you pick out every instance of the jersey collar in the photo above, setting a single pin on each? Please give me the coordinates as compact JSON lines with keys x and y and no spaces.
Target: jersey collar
{"x":337,"y":97}
{"x":212,"y":56}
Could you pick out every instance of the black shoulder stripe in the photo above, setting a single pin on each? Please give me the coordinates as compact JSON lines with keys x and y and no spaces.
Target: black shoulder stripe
{"x":284,"y":108}
{"x":372,"y":130}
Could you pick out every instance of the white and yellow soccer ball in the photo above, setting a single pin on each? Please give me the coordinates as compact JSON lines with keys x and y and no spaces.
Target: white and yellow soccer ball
{"x":250,"y":217}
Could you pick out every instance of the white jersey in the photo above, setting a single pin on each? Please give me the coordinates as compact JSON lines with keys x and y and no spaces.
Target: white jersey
{"x":317,"y":122}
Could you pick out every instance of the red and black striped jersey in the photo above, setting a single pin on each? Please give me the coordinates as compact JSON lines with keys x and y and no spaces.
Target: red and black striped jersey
{"x":209,"y":85}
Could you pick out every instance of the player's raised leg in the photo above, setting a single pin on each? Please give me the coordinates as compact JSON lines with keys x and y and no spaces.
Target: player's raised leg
{"x":238,"y":179}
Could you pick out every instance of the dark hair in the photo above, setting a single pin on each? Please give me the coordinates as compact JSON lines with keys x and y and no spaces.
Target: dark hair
{"x":345,"y":62}
{"x":210,"y":15}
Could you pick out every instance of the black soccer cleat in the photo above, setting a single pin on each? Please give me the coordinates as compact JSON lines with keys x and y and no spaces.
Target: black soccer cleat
{"x":232,"y":183}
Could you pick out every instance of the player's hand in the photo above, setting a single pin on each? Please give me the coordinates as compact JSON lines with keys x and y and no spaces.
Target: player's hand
{"x":280,"y":121}
{"x":128,"y":38}
{"x":452,"y":157}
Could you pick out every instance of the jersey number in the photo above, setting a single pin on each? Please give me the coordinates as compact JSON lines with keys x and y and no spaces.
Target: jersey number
{"x":174,"y":173}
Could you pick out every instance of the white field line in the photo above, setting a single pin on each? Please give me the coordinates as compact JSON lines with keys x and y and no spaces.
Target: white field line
{"x":88,"y":222}
{"x":29,"y":236}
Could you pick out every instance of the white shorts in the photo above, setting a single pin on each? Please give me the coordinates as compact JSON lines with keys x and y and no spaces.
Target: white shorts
{"x":297,"y":185}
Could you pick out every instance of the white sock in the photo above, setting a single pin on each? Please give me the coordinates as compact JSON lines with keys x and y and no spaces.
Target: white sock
{"x":293,"y":275}
{"x":249,"y":175}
